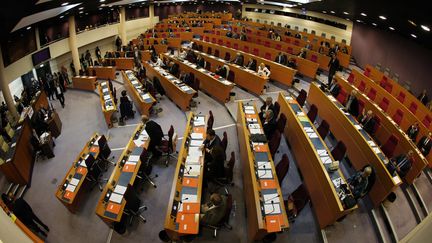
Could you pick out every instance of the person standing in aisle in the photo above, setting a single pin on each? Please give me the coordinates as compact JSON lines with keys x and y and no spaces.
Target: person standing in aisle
{"x":59,"y":93}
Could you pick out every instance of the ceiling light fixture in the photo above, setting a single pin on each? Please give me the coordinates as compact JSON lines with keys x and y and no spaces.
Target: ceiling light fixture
{"x":414,"y":36}
{"x":61,"y":16}
{"x":346,"y":13}
{"x":101,"y":1}
{"x":64,"y":4}
{"x":412,"y":22}
{"x":374,"y":24}
{"x":382,"y":17}
{"x":424,"y":27}
{"x":80,"y":12}
{"x":391,"y":28}
{"x":28,"y":27}
{"x":358,"y":20}
{"x":81,"y":8}
{"x":363,"y":14}
{"x":332,"y":12}
{"x":324,"y":12}
{"x":100,"y":8}
{"x":348,"y":19}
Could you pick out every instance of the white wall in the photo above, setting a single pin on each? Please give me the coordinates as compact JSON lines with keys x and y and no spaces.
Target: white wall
{"x":301,"y":23}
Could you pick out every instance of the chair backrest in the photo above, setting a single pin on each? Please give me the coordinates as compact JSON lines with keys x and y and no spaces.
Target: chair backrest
{"x":300,"y":197}
{"x":377,"y":124}
{"x":267,"y":43}
{"x":362,"y":86}
{"x":274,"y":142}
{"x":209,"y":50}
{"x":342,"y":96}
{"x":132,"y":200}
{"x":312,"y":113}
{"x":224,"y":142}
{"x":276,"y":109}
{"x":231,"y":76}
{"x":213,"y":40}
{"x":301,"y":98}
{"x":397,"y":117}
{"x":389,"y":87}
{"x":282,"y":168}
{"x":372,"y":94}
{"x":427,"y":121}
{"x":255,"y":51}
{"x":281,"y":123}
{"x":267,"y":56}
{"x":278,"y":47}
{"x":231,"y":162}
{"x":401,"y":97}
{"x":236,"y":46}
{"x":208,"y":66}
{"x":389,"y":147}
{"x":220,"y":42}
{"x":290,"y":50}
{"x":351,"y":78}
{"x":206,"y":38}
{"x":227,"y":56}
{"x":323,"y":129}
{"x":367,"y":72}
{"x":384,"y":104}
{"x":216,"y":53}
{"x":246,"y":49}
{"x":383,"y":81}
{"x":210,"y":120}
{"x":413,"y":107}
{"x":228,"y":44}
{"x":339,"y":151}
{"x":314,"y":58}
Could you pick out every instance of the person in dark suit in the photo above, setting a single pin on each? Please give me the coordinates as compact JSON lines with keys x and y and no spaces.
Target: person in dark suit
{"x":214,"y":211}
{"x":281,"y":59}
{"x":352,"y":104}
{"x":251,"y":65}
{"x":360,"y":182}
{"x":367,"y":121}
{"x":268,"y":105}
{"x":401,"y":164}
{"x":335,"y":89}
{"x":212,"y":140}
{"x":269,"y":124}
{"x":22,"y":210}
{"x":413,"y":131}
{"x":333,"y":67}
{"x":155,"y":133}
{"x":200,"y":61}
{"x":292,"y":63}
{"x":186,"y":78}
{"x":221,"y":71}
{"x":126,"y":110}
{"x":173,"y":69}
{"x":425,"y":144}
{"x":239,"y":59}
{"x":423,"y":97}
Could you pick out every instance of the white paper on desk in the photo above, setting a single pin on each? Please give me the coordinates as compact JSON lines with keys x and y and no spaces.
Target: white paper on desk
{"x":193,"y":159}
{"x":195,"y":143}
{"x":189,"y":198}
{"x":74,"y":182}
{"x":337,"y":182}
{"x":300,"y":113}
{"x":104,"y":84}
{"x":82,"y":163}
{"x":272,"y":208}
{"x":226,"y":82}
{"x":145,"y":96}
{"x":255,"y":131}
{"x":263,"y":165}
{"x":131,"y":163}
{"x":197,"y":136}
{"x":70,"y":188}
{"x":249,"y":107}
{"x":107,"y":97}
{"x":119,"y":189}
{"x":13,"y":145}
{"x":265,"y":174}
{"x":322,"y":152}
{"x":326,"y":159}
{"x":195,"y":151}
{"x":308,"y":129}
{"x":312,"y":135}
{"x":134,"y":82}
{"x":192,"y":170}
{"x":271,"y":197}
{"x":250,"y":112}
{"x":376,"y":150}
{"x":358,"y":127}
{"x":117,"y":198}
{"x":254,"y":126}
{"x":251,"y":120}
{"x":139,"y":142}
{"x":371,"y":143}
{"x":105,"y":90}
{"x":185,"y":88}
{"x":133,"y":158}
{"x":288,"y":98}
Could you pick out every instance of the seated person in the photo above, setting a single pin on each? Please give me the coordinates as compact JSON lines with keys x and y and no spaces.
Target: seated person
{"x":352,"y":104}
{"x":269,"y":124}
{"x":360,"y":183}
{"x":251,"y":65}
{"x":413,"y":131}
{"x":263,"y":70}
{"x":214,"y":211}
{"x":173,"y":69}
{"x":239,"y":59}
{"x":268,"y":105}
{"x":229,"y":34}
{"x":401,"y":164}
{"x":302,"y":53}
{"x":292,"y":63}
{"x":425,"y":144}
{"x":126,"y":110}
{"x":182,"y":53}
{"x":155,"y":133}
{"x":215,"y":168}
{"x":423,"y":97}
{"x":281,"y":59}
{"x":200,"y":61}
{"x":191,"y":57}
{"x":222,"y":71}
{"x":367,"y":121}
{"x":159,"y":61}
{"x":186,"y":78}
{"x":298,"y":35}
{"x":243,"y":37}
{"x":194,"y":45}
{"x":212,"y":140}
{"x":334,"y":88}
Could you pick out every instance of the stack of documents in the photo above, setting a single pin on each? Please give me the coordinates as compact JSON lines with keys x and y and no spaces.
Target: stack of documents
{"x":199,"y":121}
{"x":185,"y":88}
{"x":272,"y":208}
{"x":265,"y":173}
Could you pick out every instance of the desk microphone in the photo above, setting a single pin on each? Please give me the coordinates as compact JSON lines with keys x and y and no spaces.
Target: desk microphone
{"x":190,"y":168}
{"x":181,"y":201}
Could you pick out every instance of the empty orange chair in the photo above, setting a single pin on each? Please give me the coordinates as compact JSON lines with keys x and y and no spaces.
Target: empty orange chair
{"x":255,"y":51}
{"x":389,"y":87}
{"x":427,"y":121}
{"x":362,"y":86}
{"x":278,"y":47}
{"x":342,"y":96}
{"x":314,"y":58}
{"x":236,"y":46}
{"x":397,"y":117}
{"x":367,"y":72}
{"x":401,"y":97}
{"x":267,"y":43}
{"x":246,"y":49}
{"x":228,"y":44}
{"x":290,"y":50}
{"x":205,"y":38}
{"x":268,"y":56}
{"x":220,"y":42}
{"x":383,"y":82}
{"x":213,"y":40}
{"x":413,"y":107}
{"x":372,"y":94}
{"x":384,"y":104}
{"x":351,"y":78}
{"x":216,"y":54}
{"x":390,"y":145}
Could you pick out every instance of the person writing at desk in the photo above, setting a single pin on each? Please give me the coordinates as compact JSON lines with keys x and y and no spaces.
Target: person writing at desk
{"x":263,"y":70}
{"x":425,"y":144}
{"x":401,"y":164}
{"x":213,"y":211}
{"x":239,"y":59}
{"x":367,"y":121}
{"x":251,"y":65}
{"x":413,"y":131}
{"x":360,"y":183}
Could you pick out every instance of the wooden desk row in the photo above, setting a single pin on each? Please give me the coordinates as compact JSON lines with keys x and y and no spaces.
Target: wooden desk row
{"x":163,"y":33}
{"x":404,"y":96}
{"x":179,"y":30}
{"x":176,"y":90}
{"x":366,"y":86}
{"x":279,"y":73}
{"x":189,"y":20}
{"x":107,"y":72}
{"x":143,"y":100}
{"x":219,"y":88}
{"x":246,"y":78}
{"x":75,"y":183}
{"x":184,"y":205}
{"x":122,"y":63}
{"x":388,"y":128}
{"x":305,"y":67}
{"x":314,"y":159}
{"x":361,"y":148}
{"x":109,"y":107}
{"x":88,"y":83}
{"x":218,"y":15}
{"x":174,"y":42}
{"x":111,"y":204}
{"x":263,"y":198}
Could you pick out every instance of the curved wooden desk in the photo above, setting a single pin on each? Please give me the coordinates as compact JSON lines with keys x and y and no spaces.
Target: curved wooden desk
{"x":143,"y":100}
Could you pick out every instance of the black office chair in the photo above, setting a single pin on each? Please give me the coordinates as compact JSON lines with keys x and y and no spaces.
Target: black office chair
{"x":104,"y":152}
{"x":168,"y":145}
{"x":95,"y":174}
{"x":133,"y":207}
{"x":146,"y":168}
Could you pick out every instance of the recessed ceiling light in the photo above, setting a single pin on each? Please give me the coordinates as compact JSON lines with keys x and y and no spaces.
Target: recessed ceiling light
{"x":374,"y":24}
{"x":81,"y":8}
{"x":346,"y":13}
{"x":412,"y":22}
{"x":28,"y":27}
{"x":64,"y":4}
{"x":382,"y":17}
{"x":332,"y":12}
{"x":414,"y":36}
{"x":101,"y":1}
{"x":61,"y":16}
{"x":425,"y":27}
{"x":348,"y":19}
{"x":324,"y":11}
{"x":363,"y":14}
{"x":100,"y":8}
{"x":81,"y":12}
{"x":358,"y":20}
{"x":102,"y":5}
{"x":391,"y":28}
